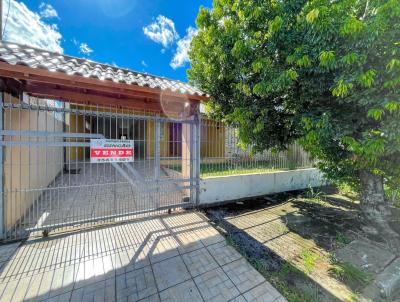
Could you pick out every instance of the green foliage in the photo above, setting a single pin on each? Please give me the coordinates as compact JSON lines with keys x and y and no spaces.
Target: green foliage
{"x":309,"y":260}
{"x":350,"y":274}
{"x":312,"y":15}
{"x":325,"y":73}
{"x":327,"y":58}
{"x":314,"y":194}
{"x":342,"y":239}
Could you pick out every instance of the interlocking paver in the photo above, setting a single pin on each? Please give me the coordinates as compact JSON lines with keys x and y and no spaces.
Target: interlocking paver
{"x":136,"y":285}
{"x":170,"y":272}
{"x":153,"y":298}
{"x":243,"y":275}
{"x":130,"y":259}
{"x":96,"y":292}
{"x":182,"y":292}
{"x":163,"y":248}
{"x":65,"y":297}
{"x":7,"y":250}
{"x":223,"y":253}
{"x":160,"y":259}
{"x":188,"y":241}
{"x":199,"y":262}
{"x":238,"y":299}
{"x":216,"y":286}
{"x":208,"y":235}
{"x":264,"y":292}
{"x":95,"y":270}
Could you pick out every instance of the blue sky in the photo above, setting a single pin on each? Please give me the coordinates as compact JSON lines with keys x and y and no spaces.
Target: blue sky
{"x":150,"y":36}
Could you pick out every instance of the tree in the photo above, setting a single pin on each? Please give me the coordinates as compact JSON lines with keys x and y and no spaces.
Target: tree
{"x":324,"y":72}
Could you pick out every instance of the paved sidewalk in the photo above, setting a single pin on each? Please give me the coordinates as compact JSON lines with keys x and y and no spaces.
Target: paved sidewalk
{"x":173,"y":258}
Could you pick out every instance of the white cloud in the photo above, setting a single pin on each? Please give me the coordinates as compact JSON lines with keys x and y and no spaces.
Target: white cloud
{"x":47,"y":11}
{"x":181,"y":56}
{"x":85,"y":49}
{"x":26,"y":27}
{"x":144,"y":63}
{"x":162,"y":31}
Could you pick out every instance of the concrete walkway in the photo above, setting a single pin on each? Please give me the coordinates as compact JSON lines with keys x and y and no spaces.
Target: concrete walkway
{"x":173,"y":258}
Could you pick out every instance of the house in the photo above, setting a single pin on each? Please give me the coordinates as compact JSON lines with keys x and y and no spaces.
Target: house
{"x":54,"y":104}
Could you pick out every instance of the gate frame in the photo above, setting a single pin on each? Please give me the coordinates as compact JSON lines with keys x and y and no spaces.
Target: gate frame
{"x":2,"y":203}
{"x":192,"y":122}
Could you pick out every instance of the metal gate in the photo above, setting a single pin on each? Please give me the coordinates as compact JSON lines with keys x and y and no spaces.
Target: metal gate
{"x":49,"y":181}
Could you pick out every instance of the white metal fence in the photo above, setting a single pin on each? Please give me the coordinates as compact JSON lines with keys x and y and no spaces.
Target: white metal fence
{"x":222,"y":155}
{"x":50,"y":182}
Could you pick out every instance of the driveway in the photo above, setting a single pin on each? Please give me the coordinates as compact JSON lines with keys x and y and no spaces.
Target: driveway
{"x":178,"y":257}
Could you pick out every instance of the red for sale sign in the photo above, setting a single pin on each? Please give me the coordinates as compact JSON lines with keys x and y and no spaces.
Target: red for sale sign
{"x":111,"y":150}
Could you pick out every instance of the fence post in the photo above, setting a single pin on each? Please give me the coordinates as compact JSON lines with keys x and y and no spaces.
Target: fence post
{"x":157,"y":149}
{"x":2,"y":214}
{"x":197,"y":156}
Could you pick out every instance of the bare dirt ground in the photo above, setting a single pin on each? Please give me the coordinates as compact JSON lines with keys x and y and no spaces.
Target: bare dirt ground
{"x":293,"y":240}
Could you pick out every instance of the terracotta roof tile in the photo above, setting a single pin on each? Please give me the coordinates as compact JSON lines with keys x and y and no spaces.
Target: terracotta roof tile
{"x":16,"y":54}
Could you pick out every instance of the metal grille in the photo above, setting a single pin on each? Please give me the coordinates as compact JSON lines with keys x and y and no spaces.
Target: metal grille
{"x":221,"y":154}
{"x":48,"y":179}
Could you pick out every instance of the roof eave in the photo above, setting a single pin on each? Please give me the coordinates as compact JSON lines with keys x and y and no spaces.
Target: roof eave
{"x":37,"y":75}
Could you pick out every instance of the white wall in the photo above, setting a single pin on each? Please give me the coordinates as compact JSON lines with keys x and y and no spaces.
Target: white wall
{"x":226,"y":188}
{"x":28,"y":170}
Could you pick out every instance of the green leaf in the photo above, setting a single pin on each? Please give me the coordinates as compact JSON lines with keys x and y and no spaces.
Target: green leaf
{"x":352,"y":26}
{"x":307,"y":123}
{"x":351,"y":143}
{"x":367,"y":79}
{"x":342,"y":89}
{"x":392,"y":106}
{"x":275,"y":25}
{"x":304,"y":61}
{"x":350,"y":58}
{"x":260,"y":63}
{"x":374,"y":147}
{"x":259,"y":126}
{"x":327,"y":58}
{"x":312,"y":15}
{"x":292,"y":74}
{"x":375,"y":113}
{"x":392,"y":64}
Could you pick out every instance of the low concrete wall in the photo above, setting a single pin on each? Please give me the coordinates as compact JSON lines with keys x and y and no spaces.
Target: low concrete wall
{"x":226,"y":188}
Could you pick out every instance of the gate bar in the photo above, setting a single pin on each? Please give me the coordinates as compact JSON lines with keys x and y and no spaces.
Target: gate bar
{"x":49,"y":134}
{"x":2,"y":204}
{"x":91,"y":112}
{"x":157,"y":149}
{"x":106,"y":217}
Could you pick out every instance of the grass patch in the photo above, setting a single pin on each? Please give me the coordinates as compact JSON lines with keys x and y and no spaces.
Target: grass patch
{"x":341,"y":239}
{"x":349,"y":274}
{"x":279,"y":279}
{"x":313,"y":194}
{"x":226,"y":168}
{"x":309,"y":259}
{"x":347,"y":190}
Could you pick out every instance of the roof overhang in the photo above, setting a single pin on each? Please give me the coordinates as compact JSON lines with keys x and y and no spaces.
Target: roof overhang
{"x":86,"y":90}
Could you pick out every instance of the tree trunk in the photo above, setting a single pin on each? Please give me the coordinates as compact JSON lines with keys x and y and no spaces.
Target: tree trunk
{"x":375,"y":208}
